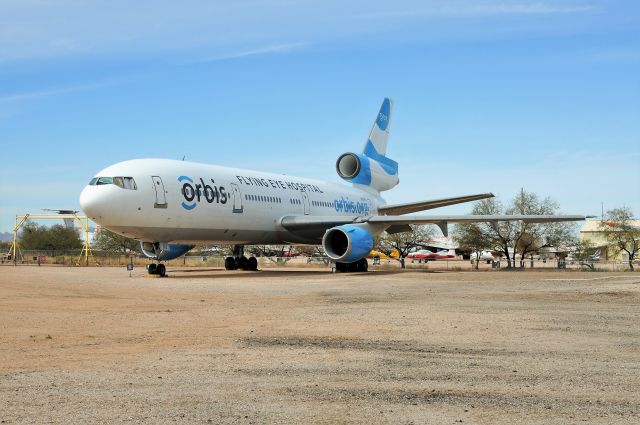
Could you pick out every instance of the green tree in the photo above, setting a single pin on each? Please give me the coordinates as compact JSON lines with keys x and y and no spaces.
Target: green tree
{"x":469,"y":236}
{"x":623,"y":236}
{"x":403,"y":242}
{"x":113,"y":243}
{"x":584,"y":253}
{"x":55,"y":238}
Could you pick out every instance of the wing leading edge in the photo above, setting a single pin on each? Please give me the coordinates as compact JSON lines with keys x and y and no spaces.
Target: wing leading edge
{"x":412,"y":207}
{"x":301,"y":223}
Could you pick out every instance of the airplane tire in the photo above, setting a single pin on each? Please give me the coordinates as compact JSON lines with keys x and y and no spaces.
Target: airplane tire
{"x":363,"y":265}
{"x":252,"y":264}
{"x":151,"y":268}
{"x":230,"y":263}
{"x":341,"y":267}
{"x":161,"y":270}
{"x":242,"y":263}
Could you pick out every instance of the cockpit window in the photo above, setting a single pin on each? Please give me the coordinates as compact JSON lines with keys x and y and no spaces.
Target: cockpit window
{"x":130,"y":183}
{"x":104,"y":180}
{"x":122,"y":182}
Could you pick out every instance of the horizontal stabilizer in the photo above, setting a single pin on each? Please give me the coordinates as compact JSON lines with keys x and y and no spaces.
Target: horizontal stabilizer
{"x":399,"y":209}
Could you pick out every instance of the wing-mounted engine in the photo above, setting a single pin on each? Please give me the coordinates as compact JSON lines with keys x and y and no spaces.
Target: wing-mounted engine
{"x":361,"y":169}
{"x":347,"y":243}
{"x":164,"y":251}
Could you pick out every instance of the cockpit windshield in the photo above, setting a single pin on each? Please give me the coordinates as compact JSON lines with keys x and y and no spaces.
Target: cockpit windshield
{"x":122,"y":182}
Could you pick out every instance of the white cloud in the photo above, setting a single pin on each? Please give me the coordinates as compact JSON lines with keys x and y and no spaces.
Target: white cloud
{"x":29,"y":95}
{"x":270,"y":49}
{"x":484,"y":9}
{"x":36,"y":30}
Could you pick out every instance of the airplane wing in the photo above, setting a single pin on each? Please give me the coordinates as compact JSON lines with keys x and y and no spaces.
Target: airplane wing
{"x":412,"y":207}
{"x":310,"y":223}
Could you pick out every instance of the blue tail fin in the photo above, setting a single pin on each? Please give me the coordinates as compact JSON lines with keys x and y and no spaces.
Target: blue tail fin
{"x":376,"y":146}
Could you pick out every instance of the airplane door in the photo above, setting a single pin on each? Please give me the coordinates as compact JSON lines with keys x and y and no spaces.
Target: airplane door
{"x":161,"y":198}
{"x":237,"y":199}
{"x":305,"y":202}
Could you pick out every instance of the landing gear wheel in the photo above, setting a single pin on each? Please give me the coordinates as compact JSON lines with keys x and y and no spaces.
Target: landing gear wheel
{"x":342,"y":267}
{"x":362,"y":265}
{"x":242,"y":263}
{"x":230,"y":263}
{"x":151,"y":268}
{"x":252,"y":264}
{"x":161,"y":270}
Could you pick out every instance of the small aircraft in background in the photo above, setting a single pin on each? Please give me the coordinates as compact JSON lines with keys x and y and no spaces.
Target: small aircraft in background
{"x":445,"y":254}
{"x":484,"y":256}
{"x":419,"y":255}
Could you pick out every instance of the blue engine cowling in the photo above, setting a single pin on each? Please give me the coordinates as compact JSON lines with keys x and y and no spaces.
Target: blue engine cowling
{"x":164,"y":251}
{"x":347,"y":243}
{"x":374,"y":170}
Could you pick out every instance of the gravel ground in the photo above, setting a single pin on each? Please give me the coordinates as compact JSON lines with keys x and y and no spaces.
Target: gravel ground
{"x":93,"y":345}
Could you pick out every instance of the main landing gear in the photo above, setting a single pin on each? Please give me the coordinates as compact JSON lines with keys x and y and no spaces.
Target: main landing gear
{"x":157,"y":269}
{"x":359,"y":266}
{"x":239,"y":261}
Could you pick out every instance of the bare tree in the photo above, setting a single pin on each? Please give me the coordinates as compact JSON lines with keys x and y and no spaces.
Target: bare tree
{"x":621,"y":233}
{"x":516,"y":237}
{"x":530,"y":237}
{"x":404,"y":241}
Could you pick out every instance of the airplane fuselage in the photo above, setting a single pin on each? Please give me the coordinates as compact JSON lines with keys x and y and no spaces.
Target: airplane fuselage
{"x":162,"y":200}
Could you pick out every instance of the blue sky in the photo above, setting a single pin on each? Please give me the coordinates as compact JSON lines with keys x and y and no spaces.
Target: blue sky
{"x":489,"y":95}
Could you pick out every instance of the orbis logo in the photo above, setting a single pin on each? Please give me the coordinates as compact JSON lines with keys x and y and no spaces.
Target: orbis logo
{"x":193,"y":193}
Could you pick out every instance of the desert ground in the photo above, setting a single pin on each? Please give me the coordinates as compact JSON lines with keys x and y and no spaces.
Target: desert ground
{"x":94,"y":345}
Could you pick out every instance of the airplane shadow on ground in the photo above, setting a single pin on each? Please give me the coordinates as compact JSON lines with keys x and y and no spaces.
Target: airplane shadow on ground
{"x":240,"y":274}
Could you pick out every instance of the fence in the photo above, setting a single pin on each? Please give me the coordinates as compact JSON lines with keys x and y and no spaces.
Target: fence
{"x":216,"y":261}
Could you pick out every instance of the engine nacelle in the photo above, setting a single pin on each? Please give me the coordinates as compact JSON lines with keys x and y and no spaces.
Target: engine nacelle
{"x":380,"y":174}
{"x":347,"y":243}
{"x":164,"y":251}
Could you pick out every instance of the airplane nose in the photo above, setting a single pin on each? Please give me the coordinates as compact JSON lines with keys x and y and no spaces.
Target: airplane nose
{"x":88,"y":202}
{"x":94,"y":203}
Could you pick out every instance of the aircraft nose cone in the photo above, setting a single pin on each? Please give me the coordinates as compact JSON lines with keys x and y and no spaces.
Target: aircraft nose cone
{"x":92,"y":203}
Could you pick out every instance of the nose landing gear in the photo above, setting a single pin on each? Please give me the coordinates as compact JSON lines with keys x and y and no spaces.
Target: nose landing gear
{"x":239,"y":261}
{"x":157,"y":269}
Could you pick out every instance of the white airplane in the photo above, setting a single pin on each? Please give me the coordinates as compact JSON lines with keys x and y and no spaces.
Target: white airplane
{"x":170,"y":205}
{"x":484,"y":256}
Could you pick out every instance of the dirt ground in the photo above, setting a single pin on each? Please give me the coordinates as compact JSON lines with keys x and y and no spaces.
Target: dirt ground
{"x":93,"y":345}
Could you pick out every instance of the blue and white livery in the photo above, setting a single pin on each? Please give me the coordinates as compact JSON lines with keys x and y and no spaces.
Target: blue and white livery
{"x":171,"y":205}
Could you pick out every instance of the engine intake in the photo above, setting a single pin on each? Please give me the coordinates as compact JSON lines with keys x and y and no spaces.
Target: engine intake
{"x":347,"y":243}
{"x":164,"y":251}
{"x":379,"y":172}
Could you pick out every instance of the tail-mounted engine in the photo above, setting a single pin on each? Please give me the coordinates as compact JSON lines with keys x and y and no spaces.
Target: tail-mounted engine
{"x":379,"y":174}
